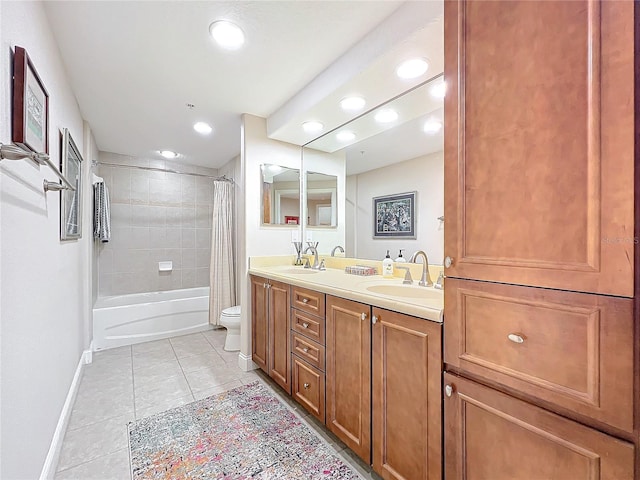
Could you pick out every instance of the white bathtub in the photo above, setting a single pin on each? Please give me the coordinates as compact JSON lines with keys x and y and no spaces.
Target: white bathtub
{"x":142,"y":317}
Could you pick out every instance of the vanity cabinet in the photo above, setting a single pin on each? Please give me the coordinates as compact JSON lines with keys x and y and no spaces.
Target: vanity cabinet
{"x":539,"y":145}
{"x":270,"y":329}
{"x":490,"y":435}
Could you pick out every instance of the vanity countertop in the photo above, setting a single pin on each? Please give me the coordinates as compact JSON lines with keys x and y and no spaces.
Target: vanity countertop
{"x":375,"y":290}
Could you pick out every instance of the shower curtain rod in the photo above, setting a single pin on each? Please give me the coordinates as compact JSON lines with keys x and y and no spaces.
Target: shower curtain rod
{"x":165,"y":170}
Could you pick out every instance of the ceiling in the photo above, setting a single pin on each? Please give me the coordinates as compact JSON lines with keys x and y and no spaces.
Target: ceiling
{"x":135,"y":65}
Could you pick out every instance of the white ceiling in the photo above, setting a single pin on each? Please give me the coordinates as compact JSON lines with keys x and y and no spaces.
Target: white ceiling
{"x":135,"y":65}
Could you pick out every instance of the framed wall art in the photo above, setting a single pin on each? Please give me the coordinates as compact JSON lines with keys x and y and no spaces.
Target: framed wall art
{"x":394,"y":216}
{"x":30,"y":122}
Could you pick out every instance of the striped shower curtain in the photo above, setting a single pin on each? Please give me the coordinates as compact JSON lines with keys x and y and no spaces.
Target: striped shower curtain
{"x":222,"y":276}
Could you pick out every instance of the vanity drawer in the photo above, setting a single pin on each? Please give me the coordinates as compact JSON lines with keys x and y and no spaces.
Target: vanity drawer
{"x":307,"y":301}
{"x":308,"y":325}
{"x":571,"y":349}
{"x":308,"y":387}
{"x":308,"y":350}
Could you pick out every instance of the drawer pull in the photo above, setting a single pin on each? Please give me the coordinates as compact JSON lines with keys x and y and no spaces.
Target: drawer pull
{"x":305,"y":325}
{"x":448,"y":390}
{"x":306,"y":386}
{"x":363,"y":316}
{"x":515,"y":338}
{"x":305,"y":300}
{"x":305,"y":349}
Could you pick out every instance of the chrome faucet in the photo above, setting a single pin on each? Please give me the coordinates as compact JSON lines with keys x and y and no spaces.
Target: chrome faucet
{"x":407,"y":276}
{"x":440,"y":281}
{"x":337,"y":247}
{"x":425,"y":281}
{"x":314,"y":250}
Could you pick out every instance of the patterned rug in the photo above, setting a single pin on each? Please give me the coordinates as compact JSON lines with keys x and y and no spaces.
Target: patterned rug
{"x":244,"y":433}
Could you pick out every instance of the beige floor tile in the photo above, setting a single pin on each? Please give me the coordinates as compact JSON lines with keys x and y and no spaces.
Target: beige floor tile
{"x":113,"y":352}
{"x":168,"y":389}
{"x":190,"y":345}
{"x":93,"y":441}
{"x":163,"y":404}
{"x":157,"y":372}
{"x":98,"y":401}
{"x":199,"y":395}
{"x":114,"y":466}
{"x":203,"y":360}
{"x":151,"y":347}
{"x":216,"y":337}
{"x":149,"y":359}
{"x":207,"y":378}
{"x":229,"y":357}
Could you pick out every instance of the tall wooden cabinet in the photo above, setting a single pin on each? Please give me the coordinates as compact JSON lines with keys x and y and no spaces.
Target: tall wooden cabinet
{"x":270,"y":329}
{"x":539,"y":202}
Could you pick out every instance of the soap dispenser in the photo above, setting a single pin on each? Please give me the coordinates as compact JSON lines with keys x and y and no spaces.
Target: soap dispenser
{"x":387,"y":266}
{"x":400,"y":258}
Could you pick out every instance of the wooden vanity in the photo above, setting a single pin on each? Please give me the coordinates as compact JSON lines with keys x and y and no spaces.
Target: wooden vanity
{"x":371,"y":375}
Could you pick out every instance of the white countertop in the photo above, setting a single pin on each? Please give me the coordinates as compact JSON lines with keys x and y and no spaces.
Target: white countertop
{"x":423,"y":302}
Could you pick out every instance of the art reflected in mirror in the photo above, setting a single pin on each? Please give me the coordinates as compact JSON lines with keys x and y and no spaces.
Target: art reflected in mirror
{"x":395,"y":216}
{"x":280,"y":195}
{"x":322,"y":201}
{"x":71,"y":200}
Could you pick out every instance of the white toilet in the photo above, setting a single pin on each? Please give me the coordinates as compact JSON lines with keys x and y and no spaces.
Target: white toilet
{"x":230,"y":319}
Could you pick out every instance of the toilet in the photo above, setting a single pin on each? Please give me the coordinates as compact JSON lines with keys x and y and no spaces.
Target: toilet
{"x":230,"y":319}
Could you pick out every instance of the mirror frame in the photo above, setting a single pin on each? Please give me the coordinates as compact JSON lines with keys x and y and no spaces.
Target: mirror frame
{"x":276,"y":211}
{"x":70,"y":153}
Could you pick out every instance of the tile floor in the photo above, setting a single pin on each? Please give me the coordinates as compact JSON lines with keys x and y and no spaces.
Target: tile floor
{"x":126,"y":384}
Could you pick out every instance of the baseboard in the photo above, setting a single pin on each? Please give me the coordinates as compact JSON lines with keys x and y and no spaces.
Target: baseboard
{"x":245,"y":363}
{"x":51,"y":462}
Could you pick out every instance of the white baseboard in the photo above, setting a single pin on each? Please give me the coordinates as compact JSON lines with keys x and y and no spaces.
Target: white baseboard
{"x":245,"y":363}
{"x":51,"y":462}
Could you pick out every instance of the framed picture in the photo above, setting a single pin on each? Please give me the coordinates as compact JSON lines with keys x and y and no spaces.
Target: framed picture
{"x":30,"y":123}
{"x":394,"y":216}
{"x":71,"y":200}
{"x":291,"y":220}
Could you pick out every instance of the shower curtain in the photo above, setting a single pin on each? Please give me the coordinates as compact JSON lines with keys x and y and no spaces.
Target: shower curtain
{"x":222,"y":276}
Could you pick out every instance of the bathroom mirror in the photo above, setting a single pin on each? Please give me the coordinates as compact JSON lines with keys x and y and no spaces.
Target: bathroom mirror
{"x":387,"y":159}
{"x":321,"y":200}
{"x":71,"y":200}
{"x":280,"y":195}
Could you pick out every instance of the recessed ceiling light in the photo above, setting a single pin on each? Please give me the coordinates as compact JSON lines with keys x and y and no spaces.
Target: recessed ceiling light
{"x":312,"y":127}
{"x":226,"y":34}
{"x":386,"y":115}
{"x":412,"y":68}
{"x":168,"y":154}
{"x":352,"y":103}
{"x":432,"y":126}
{"x":203,"y":128}
{"x":438,"y":90}
{"x":345,"y":136}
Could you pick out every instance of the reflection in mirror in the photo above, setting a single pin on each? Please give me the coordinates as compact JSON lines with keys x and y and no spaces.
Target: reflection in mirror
{"x":322,"y":200}
{"x":389,"y":159}
{"x":71,"y":201}
{"x":280,"y":195}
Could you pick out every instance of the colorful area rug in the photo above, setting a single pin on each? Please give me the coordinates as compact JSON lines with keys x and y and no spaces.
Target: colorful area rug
{"x":244,"y":433}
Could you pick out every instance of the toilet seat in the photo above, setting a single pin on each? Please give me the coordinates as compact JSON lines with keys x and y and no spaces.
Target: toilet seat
{"x":231,"y":311}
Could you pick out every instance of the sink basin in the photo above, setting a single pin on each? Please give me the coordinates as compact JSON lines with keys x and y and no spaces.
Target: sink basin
{"x":296,"y":271}
{"x":406,"y":291}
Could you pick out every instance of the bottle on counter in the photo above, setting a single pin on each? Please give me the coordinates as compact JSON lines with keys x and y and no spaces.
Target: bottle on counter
{"x":387,"y":266}
{"x":400,"y":258}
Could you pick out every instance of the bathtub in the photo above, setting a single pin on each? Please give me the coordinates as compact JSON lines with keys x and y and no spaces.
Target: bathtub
{"x":142,"y":317}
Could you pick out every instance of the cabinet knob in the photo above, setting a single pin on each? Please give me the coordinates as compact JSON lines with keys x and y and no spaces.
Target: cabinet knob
{"x":305,"y":349}
{"x":363,"y":316}
{"x":305,"y":300}
{"x":448,"y":390}
{"x":305,"y":325}
{"x":374,"y":319}
{"x":516,"y":338}
{"x":264,"y":285}
{"x":448,"y":261}
{"x":306,"y":386}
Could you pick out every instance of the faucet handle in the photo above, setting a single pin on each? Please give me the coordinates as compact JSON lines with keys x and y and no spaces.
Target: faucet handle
{"x":322,"y":265}
{"x":408,"y":280}
{"x":307,"y":264}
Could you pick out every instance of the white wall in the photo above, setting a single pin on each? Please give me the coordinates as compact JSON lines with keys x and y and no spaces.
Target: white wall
{"x":42,"y":280}
{"x":257,"y":239}
{"x":424,"y":175}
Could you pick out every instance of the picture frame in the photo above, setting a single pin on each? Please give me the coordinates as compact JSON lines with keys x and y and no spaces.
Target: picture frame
{"x":291,"y":220}
{"x":30,"y":117}
{"x":394,"y":216}
{"x":71,"y":200}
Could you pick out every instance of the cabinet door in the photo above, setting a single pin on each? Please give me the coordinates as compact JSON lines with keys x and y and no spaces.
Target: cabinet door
{"x":539,"y":163}
{"x":407,"y":393}
{"x":491,"y":436}
{"x":279,"y":355}
{"x":348,"y":374}
{"x":259,"y":323}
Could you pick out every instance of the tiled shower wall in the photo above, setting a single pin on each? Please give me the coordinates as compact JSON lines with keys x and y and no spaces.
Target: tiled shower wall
{"x":155,"y":216}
